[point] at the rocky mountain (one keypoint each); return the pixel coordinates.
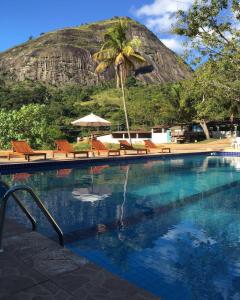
(64, 56)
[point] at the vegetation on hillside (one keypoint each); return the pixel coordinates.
(148, 105)
(212, 94)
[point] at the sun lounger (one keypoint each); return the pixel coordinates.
(99, 147)
(151, 147)
(63, 146)
(6, 154)
(21, 148)
(124, 145)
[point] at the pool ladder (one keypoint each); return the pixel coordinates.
(12, 192)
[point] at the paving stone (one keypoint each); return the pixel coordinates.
(33, 244)
(28, 244)
(44, 291)
(11, 229)
(51, 263)
(15, 276)
(35, 267)
(99, 284)
(117, 285)
(72, 281)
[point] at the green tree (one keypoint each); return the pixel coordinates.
(211, 30)
(203, 102)
(120, 52)
(29, 123)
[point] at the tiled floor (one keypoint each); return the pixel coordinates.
(34, 267)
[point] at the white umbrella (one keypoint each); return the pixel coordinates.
(91, 121)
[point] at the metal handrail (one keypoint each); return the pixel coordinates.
(22, 207)
(39, 203)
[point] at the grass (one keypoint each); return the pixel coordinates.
(82, 146)
(109, 22)
(112, 95)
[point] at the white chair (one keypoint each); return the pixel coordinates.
(236, 143)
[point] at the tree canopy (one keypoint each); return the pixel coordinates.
(211, 29)
(29, 123)
(212, 32)
(118, 50)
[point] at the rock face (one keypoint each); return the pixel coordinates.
(65, 56)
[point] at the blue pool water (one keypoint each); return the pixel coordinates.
(171, 226)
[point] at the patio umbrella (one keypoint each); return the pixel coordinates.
(91, 121)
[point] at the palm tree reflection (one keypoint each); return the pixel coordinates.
(120, 208)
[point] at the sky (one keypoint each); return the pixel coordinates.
(20, 19)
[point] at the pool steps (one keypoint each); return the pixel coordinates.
(11, 191)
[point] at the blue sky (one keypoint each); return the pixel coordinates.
(20, 19)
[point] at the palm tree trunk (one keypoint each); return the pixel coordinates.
(205, 129)
(124, 104)
(117, 78)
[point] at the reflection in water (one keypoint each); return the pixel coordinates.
(63, 172)
(121, 207)
(93, 193)
(20, 177)
(151, 222)
(192, 253)
(83, 194)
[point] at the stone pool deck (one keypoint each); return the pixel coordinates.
(35, 267)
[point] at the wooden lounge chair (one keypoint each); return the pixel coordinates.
(124, 145)
(21, 148)
(99, 147)
(151, 147)
(6, 154)
(63, 146)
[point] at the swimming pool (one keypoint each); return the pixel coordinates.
(170, 225)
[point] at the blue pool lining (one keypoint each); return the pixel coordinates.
(138, 218)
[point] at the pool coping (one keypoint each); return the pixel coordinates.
(79, 161)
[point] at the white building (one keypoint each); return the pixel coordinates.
(158, 135)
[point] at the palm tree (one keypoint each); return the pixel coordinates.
(121, 53)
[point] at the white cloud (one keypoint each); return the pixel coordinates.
(161, 7)
(174, 44)
(159, 16)
(161, 24)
